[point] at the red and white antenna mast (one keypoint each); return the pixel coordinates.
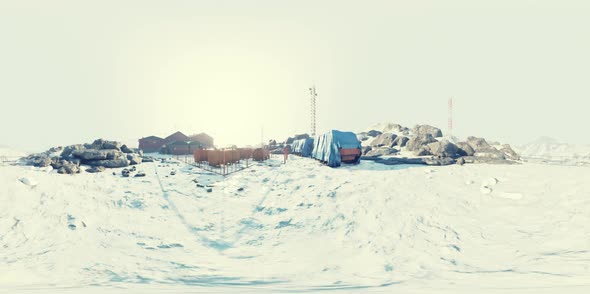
(313, 95)
(450, 126)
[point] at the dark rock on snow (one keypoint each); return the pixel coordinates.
(443, 148)
(384, 140)
(69, 168)
(365, 149)
(134, 159)
(126, 149)
(109, 163)
(374, 133)
(427, 129)
(95, 169)
(380, 151)
(400, 141)
(464, 149)
(418, 141)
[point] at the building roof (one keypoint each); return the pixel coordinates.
(178, 136)
(151, 138)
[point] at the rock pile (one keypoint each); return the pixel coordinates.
(99, 155)
(427, 142)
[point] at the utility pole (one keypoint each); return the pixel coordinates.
(313, 96)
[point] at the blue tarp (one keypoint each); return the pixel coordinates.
(327, 146)
(302, 147)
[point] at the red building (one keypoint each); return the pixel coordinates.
(176, 144)
(178, 136)
(151, 144)
(204, 139)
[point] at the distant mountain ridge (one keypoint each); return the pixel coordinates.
(547, 149)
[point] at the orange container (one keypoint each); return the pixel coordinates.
(260, 154)
(200, 155)
(245, 153)
(350, 155)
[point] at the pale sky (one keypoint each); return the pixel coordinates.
(73, 71)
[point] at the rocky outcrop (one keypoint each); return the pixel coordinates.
(478, 143)
(464, 149)
(415, 143)
(69, 168)
(41, 161)
(109, 163)
(427, 129)
(443, 148)
(374, 133)
(400, 141)
(423, 151)
(365, 149)
(99, 154)
(384, 140)
(509, 153)
(95, 169)
(134, 159)
(380, 151)
(362, 136)
(126, 149)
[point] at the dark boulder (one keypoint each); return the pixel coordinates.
(67, 152)
(373, 133)
(90, 154)
(384, 140)
(110, 163)
(423, 151)
(108, 145)
(126, 149)
(443, 148)
(427, 129)
(365, 149)
(147, 159)
(439, 161)
(416, 142)
(400, 141)
(380, 151)
(478, 143)
(41, 161)
(95, 169)
(509, 152)
(464, 149)
(69, 168)
(134, 158)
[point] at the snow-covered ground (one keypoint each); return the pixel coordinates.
(298, 227)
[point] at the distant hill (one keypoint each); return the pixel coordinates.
(550, 150)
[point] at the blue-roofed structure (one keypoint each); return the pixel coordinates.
(302, 147)
(335, 147)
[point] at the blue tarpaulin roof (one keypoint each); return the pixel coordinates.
(303, 147)
(327, 146)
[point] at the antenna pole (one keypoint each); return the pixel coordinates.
(313, 96)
